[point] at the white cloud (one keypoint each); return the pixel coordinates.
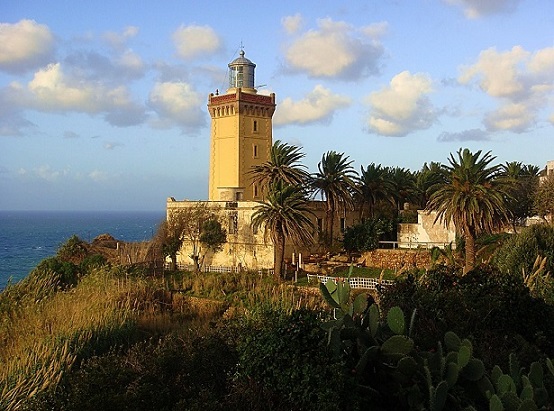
(466, 135)
(119, 40)
(51, 90)
(498, 72)
(192, 41)
(25, 45)
(44, 172)
(376, 30)
(403, 106)
(474, 9)
(514, 117)
(292, 24)
(318, 106)
(130, 62)
(177, 104)
(335, 49)
(521, 81)
(98, 176)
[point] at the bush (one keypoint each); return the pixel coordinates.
(493, 309)
(160, 374)
(285, 363)
(366, 236)
(520, 251)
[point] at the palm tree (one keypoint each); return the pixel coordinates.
(285, 215)
(472, 197)
(374, 186)
(404, 186)
(283, 166)
(523, 180)
(427, 180)
(335, 180)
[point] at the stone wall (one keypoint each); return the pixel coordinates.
(400, 260)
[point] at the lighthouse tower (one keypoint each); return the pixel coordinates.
(241, 134)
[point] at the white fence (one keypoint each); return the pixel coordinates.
(355, 282)
(218, 268)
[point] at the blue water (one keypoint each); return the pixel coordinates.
(27, 237)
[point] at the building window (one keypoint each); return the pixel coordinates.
(233, 222)
(255, 151)
(255, 126)
(255, 189)
(342, 224)
(238, 196)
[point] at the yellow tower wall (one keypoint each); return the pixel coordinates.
(241, 137)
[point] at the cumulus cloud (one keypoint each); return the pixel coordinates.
(292, 24)
(93, 66)
(474, 9)
(403, 106)
(25, 45)
(119, 41)
(376, 30)
(177, 103)
(514, 117)
(335, 49)
(318, 106)
(474, 134)
(52, 90)
(192, 41)
(498, 72)
(521, 81)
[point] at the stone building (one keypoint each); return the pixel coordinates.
(240, 138)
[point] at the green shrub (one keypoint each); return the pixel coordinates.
(92, 261)
(285, 360)
(495, 309)
(169, 373)
(519, 252)
(366, 236)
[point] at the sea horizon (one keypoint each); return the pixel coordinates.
(29, 236)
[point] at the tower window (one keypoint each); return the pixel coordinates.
(255, 127)
(255, 190)
(255, 151)
(342, 225)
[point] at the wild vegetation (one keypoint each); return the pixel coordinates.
(83, 332)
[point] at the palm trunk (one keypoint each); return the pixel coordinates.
(278, 254)
(329, 220)
(469, 249)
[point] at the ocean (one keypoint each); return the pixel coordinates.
(27, 237)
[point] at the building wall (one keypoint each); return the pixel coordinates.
(249, 249)
(426, 232)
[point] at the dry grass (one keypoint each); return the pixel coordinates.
(44, 333)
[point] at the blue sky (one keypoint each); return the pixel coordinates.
(103, 104)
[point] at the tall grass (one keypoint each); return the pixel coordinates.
(44, 333)
(45, 329)
(250, 291)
